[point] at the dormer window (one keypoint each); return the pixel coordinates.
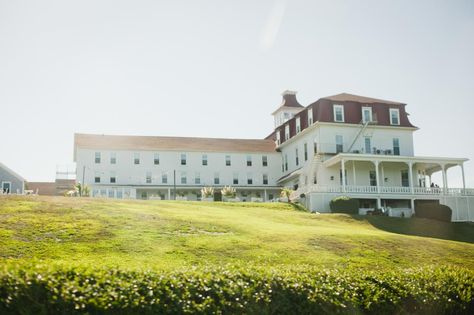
(298, 125)
(394, 116)
(278, 137)
(338, 113)
(366, 114)
(287, 132)
(310, 117)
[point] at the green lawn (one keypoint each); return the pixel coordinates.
(168, 235)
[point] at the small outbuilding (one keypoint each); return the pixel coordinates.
(10, 182)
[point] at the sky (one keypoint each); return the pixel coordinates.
(217, 68)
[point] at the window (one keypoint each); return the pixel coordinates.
(197, 178)
(97, 177)
(366, 114)
(148, 177)
(216, 179)
(310, 117)
(394, 116)
(278, 137)
(372, 178)
(235, 180)
(297, 160)
(338, 113)
(305, 146)
(204, 159)
(136, 158)
(97, 158)
(227, 160)
(164, 178)
(113, 178)
(111, 193)
(298, 125)
(249, 160)
(286, 162)
(264, 160)
(265, 179)
(315, 144)
(396, 146)
(367, 145)
(113, 158)
(405, 180)
(339, 144)
(287, 132)
(144, 195)
(184, 179)
(249, 179)
(183, 158)
(156, 159)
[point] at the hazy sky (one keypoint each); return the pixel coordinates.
(217, 68)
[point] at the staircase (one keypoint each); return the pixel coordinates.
(308, 170)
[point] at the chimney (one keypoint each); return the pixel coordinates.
(289, 99)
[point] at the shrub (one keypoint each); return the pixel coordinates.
(226, 290)
(228, 192)
(207, 192)
(344, 204)
(434, 211)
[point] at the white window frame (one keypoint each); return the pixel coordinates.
(156, 157)
(164, 178)
(136, 157)
(113, 175)
(287, 132)
(365, 145)
(395, 110)
(197, 178)
(148, 177)
(298, 124)
(335, 107)
(310, 117)
(97, 158)
(113, 158)
(278, 137)
(342, 143)
(183, 178)
(228, 160)
(364, 109)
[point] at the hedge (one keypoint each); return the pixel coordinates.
(344, 204)
(434, 211)
(230, 290)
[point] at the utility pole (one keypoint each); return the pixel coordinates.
(174, 183)
(83, 175)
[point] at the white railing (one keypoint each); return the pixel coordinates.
(385, 190)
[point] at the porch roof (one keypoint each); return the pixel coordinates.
(432, 164)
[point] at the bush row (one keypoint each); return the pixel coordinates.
(434, 211)
(233, 290)
(344, 204)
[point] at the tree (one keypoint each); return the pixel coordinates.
(286, 193)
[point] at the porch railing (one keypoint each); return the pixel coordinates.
(385, 190)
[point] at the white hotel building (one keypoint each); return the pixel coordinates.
(339, 145)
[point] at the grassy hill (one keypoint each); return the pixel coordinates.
(164, 235)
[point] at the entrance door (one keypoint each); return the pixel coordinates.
(6, 187)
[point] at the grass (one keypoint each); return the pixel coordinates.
(168, 235)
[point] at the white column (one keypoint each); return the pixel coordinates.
(383, 175)
(354, 173)
(410, 176)
(445, 179)
(463, 179)
(169, 193)
(377, 182)
(265, 195)
(343, 171)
